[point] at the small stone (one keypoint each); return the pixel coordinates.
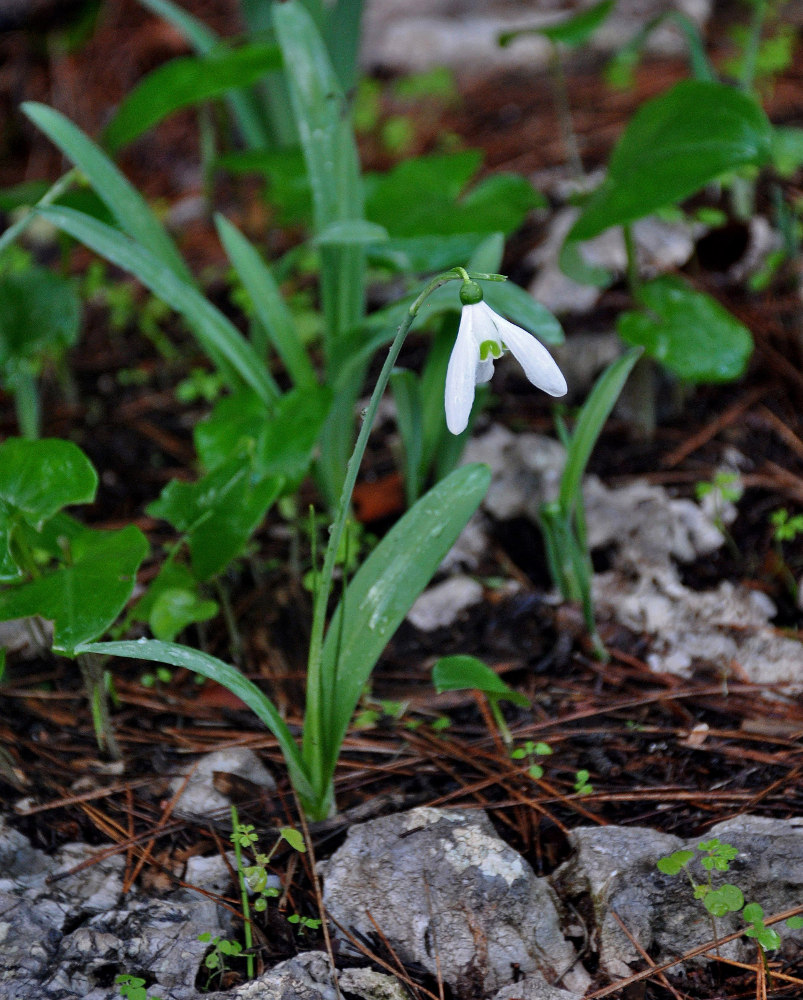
(370, 985)
(441, 606)
(200, 798)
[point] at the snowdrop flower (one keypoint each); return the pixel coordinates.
(482, 337)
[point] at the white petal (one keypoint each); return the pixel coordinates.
(461, 373)
(538, 364)
(485, 370)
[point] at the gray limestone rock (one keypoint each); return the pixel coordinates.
(450, 895)
(200, 799)
(440, 606)
(615, 868)
(535, 987)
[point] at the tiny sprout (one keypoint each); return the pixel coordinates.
(673, 863)
(718, 855)
(529, 751)
(133, 988)
(304, 923)
(767, 937)
(581, 783)
(786, 528)
(294, 838)
(244, 835)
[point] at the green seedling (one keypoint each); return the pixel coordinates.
(216, 961)
(253, 879)
(725, 489)
(785, 529)
(133, 988)
(529, 751)
(581, 783)
(562, 520)
(716, 856)
(459, 673)
(162, 675)
(304, 923)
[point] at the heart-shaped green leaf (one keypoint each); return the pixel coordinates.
(688, 332)
(675, 144)
(83, 598)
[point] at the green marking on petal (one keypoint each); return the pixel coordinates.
(490, 349)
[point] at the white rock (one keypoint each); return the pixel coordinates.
(200, 798)
(441, 606)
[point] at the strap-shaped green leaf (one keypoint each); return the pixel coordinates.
(383, 591)
(186, 81)
(216, 334)
(269, 306)
(330, 152)
(176, 655)
(122, 199)
(589, 426)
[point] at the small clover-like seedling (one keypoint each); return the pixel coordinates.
(244, 835)
(727, 898)
(222, 948)
(785, 528)
(768, 938)
(582, 786)
(133, 987)
(304, 923)
(672, 864)
(530, 751)
(718, 856)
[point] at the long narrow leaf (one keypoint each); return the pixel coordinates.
(187, 81)
(216, 334)
(593, 415)
(383, 591)
(330, 152)
(269, 306)
(122, 199)
(176, 655)
(204, 40)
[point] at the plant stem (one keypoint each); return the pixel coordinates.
(321, 690)
(748, 73)
(633, 276)
(561, 95)
(249, 958)
(93, 672)
(52, 193)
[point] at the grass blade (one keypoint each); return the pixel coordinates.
(269, 306)
(187, 81)
(593, 415)
(216, 334)
(176, 655)
(122, 199)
